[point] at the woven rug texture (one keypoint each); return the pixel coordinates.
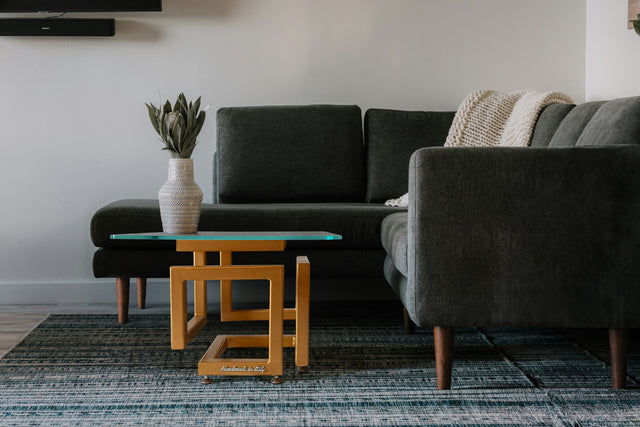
(364, 370)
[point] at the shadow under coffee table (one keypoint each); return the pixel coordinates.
(183, 330)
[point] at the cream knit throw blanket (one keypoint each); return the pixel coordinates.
(487, 118)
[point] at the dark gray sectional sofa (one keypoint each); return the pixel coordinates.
(286, 168)
(541, 236)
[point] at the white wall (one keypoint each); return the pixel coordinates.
(613, 63)
(75, 134)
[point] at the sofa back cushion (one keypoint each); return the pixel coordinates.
(615, 122)
(573, 124)
(311, 153)
(548, 123)
(591, 123)
(391, 136)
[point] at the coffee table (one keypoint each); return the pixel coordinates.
(183, 330)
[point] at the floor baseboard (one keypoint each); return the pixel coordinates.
(103, 291)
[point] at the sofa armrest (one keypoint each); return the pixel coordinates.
(524, 236)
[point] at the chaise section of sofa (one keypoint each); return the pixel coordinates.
(358, 254)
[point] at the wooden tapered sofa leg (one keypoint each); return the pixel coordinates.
(142, 292)
(618, 344)
(409, 326)
(122, 290)
(443, 342)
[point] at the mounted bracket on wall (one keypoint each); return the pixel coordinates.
(57, 27)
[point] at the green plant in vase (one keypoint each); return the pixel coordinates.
(180, 198)
(178, 126)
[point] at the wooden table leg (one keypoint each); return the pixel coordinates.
(178, 307)
(226, 290)
(302, 313)
(212, 362)
(182, 329)
(200, 286)
(276, 324)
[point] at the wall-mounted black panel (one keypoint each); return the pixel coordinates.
(79, 5)
(57, 27)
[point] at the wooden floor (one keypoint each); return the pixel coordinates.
(14, 327)
(16, 321)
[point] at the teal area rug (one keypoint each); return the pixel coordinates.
(89, 370)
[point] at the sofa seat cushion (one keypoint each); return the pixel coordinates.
(395, 240)
(358, 223)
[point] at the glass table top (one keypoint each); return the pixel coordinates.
(233, 235)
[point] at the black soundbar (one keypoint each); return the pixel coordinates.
(57, 27)
(10, 6)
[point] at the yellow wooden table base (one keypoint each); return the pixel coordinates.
(183, 330)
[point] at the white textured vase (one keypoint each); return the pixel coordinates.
(180, 199)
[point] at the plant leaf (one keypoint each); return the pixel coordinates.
(174, 145)
(153, 117)
(165, 127)
(196, 105)
(177, 136)
(199, 123)
(188, 151)
(184, 108)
